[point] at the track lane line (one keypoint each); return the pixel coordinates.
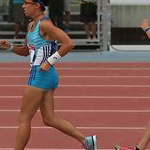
(85, 128)
(80, 68)
(80, 97)
(51, 149)
(87, 86)
(81, 76)
(88, 111)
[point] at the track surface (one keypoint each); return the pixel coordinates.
(110, 100)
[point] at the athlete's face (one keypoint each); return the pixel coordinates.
(28, 7)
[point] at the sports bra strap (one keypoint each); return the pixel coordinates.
(44, 18)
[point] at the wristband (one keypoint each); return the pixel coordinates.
(147, 29)
(54, 58)
(11, 48)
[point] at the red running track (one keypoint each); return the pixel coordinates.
(108, 99)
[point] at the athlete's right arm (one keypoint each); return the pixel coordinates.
(19, 50)
(24, 50)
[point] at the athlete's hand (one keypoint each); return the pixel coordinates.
(5, 45)
(45, 66)
(144, 24)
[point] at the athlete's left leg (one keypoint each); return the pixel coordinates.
(51, 119)
(30, 103)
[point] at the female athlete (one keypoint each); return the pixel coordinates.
(41, 46)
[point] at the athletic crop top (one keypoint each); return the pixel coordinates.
(39, 48)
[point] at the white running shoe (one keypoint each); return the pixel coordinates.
(91, 143)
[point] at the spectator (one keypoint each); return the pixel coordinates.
(18, 16)
(10, 17)
(56, 9)
(67, 14)
(89, 16)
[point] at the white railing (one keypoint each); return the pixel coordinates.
(78, 42)
(130, 2)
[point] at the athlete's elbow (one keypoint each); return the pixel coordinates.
(71, 44)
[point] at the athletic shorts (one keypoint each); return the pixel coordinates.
(46, 80)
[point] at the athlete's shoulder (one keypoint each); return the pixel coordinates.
(46, 23)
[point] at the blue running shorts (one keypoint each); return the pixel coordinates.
(46, 80)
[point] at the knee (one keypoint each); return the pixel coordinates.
(49, 121)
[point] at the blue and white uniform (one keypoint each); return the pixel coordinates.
(41, 49)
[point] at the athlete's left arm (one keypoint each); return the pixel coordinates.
(54, 33)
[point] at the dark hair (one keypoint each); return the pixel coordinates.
(46, 2)
(42, 3)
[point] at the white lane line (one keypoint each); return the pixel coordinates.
(84, 97)
(17, 76)
(52, 149)
(105, 68)
(86, 128)
(88, 111)
(82, 76)
(81, 68)
(47, 149)
(87, 86)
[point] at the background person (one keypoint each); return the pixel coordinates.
(88, 15)
(56, 9)
(145, 140)
(67, 16)
(18, 16)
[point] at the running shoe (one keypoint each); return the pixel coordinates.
(91, 143)
(123, 148)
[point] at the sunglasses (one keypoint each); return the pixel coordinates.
(32, 3)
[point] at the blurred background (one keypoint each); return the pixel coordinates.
(117, 22)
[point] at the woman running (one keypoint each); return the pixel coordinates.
(41, 46)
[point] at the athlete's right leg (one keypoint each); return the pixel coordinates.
(51, 119)
(30, 103)
(143, 142)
